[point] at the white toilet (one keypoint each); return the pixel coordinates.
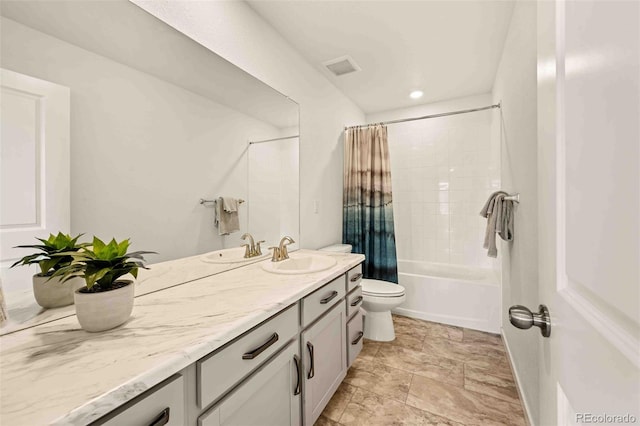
(379, 297)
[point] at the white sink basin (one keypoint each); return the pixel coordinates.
(300, 264)
(231, 255)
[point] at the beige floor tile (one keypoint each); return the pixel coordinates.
(461, 405)
(380, 379)
(339, 401)
(325, 421)
(474, 336)
(424, 364)
(476, 354)
(369, 409)
(406, 341)
(369, 349)
(481, 381)
(443, 331)
(409, 327)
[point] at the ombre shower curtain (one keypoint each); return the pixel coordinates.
(367, 221)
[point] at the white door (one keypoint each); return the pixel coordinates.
(34, 169)
(588, 180)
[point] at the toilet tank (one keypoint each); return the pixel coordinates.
(338, 248)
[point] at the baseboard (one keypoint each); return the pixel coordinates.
(525, 406)
(472, 323)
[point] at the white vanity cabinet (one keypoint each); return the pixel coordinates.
(270, 397)
(163, 405)
(324, 360)
(282, 372)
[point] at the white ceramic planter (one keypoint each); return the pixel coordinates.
(52, 293)
(105, 310)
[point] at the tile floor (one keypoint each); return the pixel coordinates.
(432, 374)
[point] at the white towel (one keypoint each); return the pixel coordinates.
(226, 221)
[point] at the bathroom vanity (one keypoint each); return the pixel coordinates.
(244, 346)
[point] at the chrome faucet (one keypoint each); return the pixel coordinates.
(280, 252)
(252, 249)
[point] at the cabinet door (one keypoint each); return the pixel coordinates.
(355, 333)
(269, 397)
(324, 355)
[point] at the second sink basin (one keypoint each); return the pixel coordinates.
(231, 255)
(300, 264)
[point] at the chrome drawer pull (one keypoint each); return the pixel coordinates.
(357, 301)
(254, 353)
(296, 360)
(162, 419)
(311, 369)
(360, 334)
(329, 298)
(356, 277)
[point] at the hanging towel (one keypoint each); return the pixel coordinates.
(229, 204)
(499, 215)
(226, 221)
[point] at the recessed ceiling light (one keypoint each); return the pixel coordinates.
(416, 94)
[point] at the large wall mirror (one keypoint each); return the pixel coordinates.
(157, 123)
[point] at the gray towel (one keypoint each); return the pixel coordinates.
(499, 214)
(226, 221)
(229, 204)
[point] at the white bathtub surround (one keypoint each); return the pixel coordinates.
(104, 310)
(468, 297)
(168, 331)
(442, 171)
(52, 292)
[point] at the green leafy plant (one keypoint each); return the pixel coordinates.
(54, 253)
(101, 265)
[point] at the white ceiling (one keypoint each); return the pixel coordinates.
(448, 48)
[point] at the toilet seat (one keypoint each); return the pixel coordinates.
(379, 288)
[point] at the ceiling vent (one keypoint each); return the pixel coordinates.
(341, 66)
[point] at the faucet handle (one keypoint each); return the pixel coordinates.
(276, 254)
(258, 249)
(247, 251)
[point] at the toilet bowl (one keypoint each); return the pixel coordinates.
(379, 298)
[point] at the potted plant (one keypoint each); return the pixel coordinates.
(52, 292)
(106, 299)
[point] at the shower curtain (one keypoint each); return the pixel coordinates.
(367, 221)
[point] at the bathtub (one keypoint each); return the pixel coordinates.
(451, 294)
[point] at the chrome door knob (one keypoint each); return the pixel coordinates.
(521, 317)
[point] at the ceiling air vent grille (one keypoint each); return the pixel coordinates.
(341, 66)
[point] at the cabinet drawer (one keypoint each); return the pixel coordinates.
(354, 276)
(270, 396)
(355, 334)
(162, 405)
(354, 301)
(219, 371)
(321, 300)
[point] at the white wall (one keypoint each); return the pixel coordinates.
(143, 151)
(274, 191)
(516, 87)
(442, 171)
(235, 32)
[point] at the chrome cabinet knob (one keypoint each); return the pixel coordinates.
(521, 317)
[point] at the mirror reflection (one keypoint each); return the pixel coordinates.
(146, 123)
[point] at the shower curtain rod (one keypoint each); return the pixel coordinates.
(274, 139)
(444, 114)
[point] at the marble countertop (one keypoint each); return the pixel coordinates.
(24, 312)
(56, 373)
